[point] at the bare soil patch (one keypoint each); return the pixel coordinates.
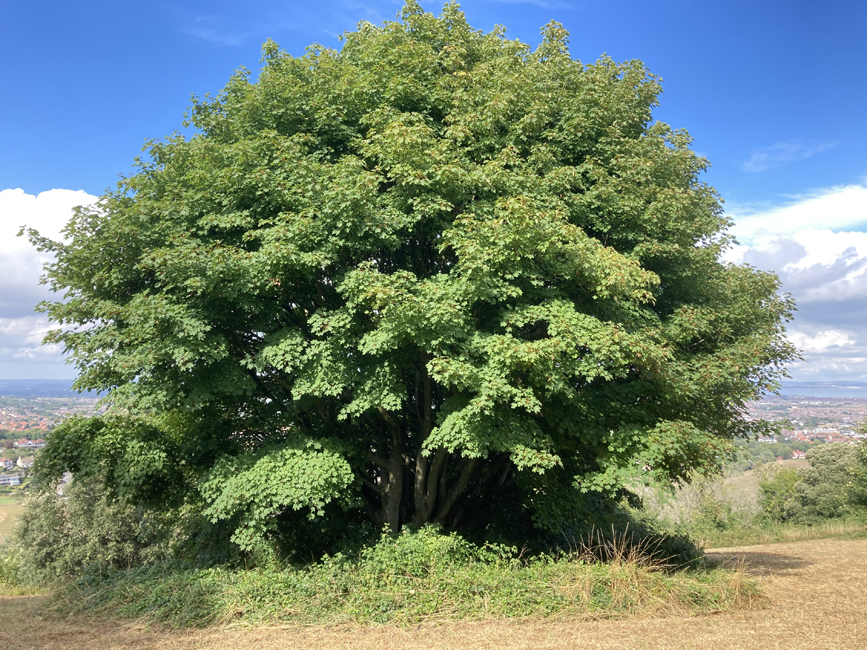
(815, 600)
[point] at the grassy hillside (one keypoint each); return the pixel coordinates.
(9, 511)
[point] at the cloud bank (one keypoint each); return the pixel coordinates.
(817, 244)
(21, 331)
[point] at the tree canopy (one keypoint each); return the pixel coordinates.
(435, 276)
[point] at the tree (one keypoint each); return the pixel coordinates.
(435, 276)
(829, 488)
(859, 471)
(777, 490)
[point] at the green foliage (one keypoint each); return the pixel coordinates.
(752, 454)
(826, 489)
(777, 490)
(859, 477)
(770, 504)
(412, 577)
(466, 271)
(9, 567)
(57, 538)
(254, 489)
(716, 514)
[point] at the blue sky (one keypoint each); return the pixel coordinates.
(774, 93)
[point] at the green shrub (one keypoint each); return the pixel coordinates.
(776, 493)
(858, 490)
(828, 489)
(57, 537)
(8, 566)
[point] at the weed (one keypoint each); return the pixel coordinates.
(416, 576)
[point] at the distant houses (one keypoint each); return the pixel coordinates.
(25, 462)
(30, 444)
(822, 434)
(6, 463)
(9, 480)
(797, 453)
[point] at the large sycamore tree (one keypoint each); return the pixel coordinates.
(402, 279)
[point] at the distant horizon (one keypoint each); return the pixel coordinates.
(818, 389)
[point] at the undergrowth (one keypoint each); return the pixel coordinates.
(417, 576)
(772, 533)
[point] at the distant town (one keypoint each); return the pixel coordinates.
(29, 415)
(26, 421)
(813, 419)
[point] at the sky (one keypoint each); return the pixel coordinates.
(774, 94)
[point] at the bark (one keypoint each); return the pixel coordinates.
(392, 488)
(426, 471)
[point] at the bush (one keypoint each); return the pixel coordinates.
(859, 478)
(776, 492)
(57, 537)
(8, 566)
(826, 488)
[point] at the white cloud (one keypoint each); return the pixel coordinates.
(21, 332)
(784, 152)
(47, 212)
(837, 208)
(813, 245)
(821, 341)
(23, 338)
(30, 328)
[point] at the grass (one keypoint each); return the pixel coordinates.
(6, 500)
(769, 533)
(829, 575)
(414, 578)
(8, 516)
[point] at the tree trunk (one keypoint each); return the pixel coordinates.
(392, 488)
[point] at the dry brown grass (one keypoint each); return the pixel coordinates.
(815, 595)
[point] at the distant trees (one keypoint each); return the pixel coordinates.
(751, 454)
(777, 492)
(435, 276)
(831, 487)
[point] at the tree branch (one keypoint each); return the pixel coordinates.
(377, 460)
(457, 490)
